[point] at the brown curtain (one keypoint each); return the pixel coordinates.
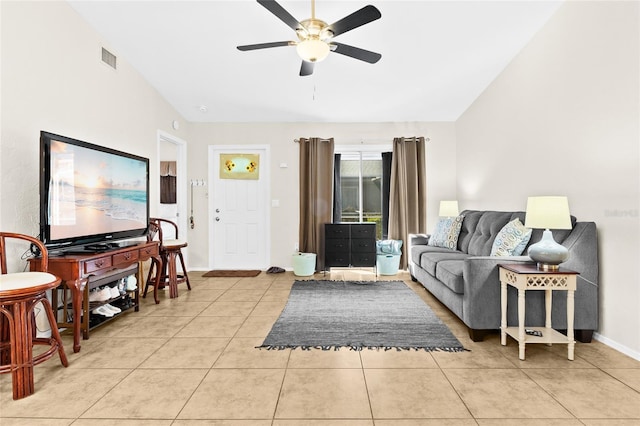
(316, 191)
(168, 187)
(408, 195)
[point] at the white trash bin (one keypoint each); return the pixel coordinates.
(304, 264)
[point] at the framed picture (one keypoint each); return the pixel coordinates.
(240, 166)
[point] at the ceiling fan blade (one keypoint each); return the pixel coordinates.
(306, 68)
(275, 8)
(357, 53)
(356, 19)
(265, 45)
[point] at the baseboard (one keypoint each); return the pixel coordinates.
(617, 346)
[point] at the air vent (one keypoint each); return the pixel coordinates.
(109, 58)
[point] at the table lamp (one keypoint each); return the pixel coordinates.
(448, 209)
(548, 213)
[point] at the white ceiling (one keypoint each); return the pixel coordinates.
(437, 56)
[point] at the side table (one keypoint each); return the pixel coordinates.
(525, 277)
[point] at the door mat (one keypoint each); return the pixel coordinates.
(355, 314)
(232, 273)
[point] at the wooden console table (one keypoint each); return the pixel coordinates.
(76, 270)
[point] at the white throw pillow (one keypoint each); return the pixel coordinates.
(446, 233)
(511, 240)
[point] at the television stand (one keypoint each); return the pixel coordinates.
(79, 271)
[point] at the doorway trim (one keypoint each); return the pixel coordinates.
(181, 180)
(265, 173)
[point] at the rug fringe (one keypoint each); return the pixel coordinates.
(360, 348)
(351, 281)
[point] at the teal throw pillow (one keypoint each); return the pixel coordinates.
(446, 233)
(511, 240)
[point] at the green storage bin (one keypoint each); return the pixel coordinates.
(304, 264)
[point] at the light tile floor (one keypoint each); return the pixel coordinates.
(193, 361)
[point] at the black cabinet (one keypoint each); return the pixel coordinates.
(350, 244)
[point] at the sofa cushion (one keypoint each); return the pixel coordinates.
(417, 251)
(449, 272)
(429, 261)
(489, 225)
(469, 224)
(446, 233)
(511, 240)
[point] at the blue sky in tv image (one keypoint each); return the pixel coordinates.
(77, 166)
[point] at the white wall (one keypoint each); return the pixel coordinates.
(284, 181)
(53, 79)
(563, 119)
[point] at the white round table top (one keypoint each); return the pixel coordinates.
(24, 280)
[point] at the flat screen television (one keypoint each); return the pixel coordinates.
(90, 196)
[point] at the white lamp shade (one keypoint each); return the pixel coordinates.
(312, 50)
(548, 213)
(448, 209)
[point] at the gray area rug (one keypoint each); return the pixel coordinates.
(358, 314)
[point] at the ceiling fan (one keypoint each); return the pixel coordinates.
(315, 37)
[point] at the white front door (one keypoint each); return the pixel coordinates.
(239, 236)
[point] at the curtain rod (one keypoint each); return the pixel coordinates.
(321, 140)
(380, 140)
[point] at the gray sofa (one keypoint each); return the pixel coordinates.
(466, 280)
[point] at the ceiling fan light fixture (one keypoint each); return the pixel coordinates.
(315, 36)
(312, 50)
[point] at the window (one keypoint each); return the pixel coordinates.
(360, 192)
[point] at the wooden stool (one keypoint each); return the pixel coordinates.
(19, 294)
(170, 252)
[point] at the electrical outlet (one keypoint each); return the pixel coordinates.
(296, 247)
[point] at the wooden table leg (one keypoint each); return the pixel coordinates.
(503, 310)
(570, 313)
(548, 303)
(521, 316)
(77, 290)
(173, 274)
(158, 262)
(22, 355)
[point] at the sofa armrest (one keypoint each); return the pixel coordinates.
(482, 289)
(481, 298)
(418, 239)
(582, 244)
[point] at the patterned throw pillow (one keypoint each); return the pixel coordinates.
(511, 240)
(446, 232)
